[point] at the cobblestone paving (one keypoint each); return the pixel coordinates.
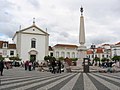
(19, 79)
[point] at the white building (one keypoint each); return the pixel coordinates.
(115, 49)
(31, 43)
(7, 50)
(103, 51)
(65, 50)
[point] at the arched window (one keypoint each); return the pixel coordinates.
(62, 54)
(68, 54)
(33, 43)
(57, 54)
(73, 55)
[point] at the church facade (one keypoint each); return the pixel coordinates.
(31, 43)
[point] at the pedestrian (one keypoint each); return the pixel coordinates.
(34, 65)
(1, 67)
(26, 65)
(7, 65)
(30, 65)
(53, 64)
(59, 66)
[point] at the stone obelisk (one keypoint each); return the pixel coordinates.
(82, 48)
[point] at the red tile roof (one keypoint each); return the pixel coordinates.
(106, 45)
(66, 45)
(12, 46)
(89, 52)
(1, 43)
(99, 50)
(118, 43)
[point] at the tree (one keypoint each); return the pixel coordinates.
(46, 58)
(14, 58)
(116, 58)
(1, 58)
(74, 59)
(96, 59)
(61, 58)
(103, 59)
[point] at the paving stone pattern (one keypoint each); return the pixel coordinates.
(19, 79)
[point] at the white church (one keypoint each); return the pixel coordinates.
(31, 43)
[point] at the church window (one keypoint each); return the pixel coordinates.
(33, 43)
(33, 29)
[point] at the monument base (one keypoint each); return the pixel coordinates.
(79, 62)
(81, 54)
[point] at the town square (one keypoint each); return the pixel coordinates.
(19, 79)
(59, 45)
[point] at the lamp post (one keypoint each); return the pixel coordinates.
(93, 47)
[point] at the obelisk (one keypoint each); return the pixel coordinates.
(82, 48)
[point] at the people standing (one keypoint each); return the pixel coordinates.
(1, 67)
(53, 64)
(30, 65)
(26, 65)
(59, 66)
(34, 65)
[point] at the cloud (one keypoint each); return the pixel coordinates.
(35, 3)
(62, 19)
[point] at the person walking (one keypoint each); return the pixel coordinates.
(1, 67)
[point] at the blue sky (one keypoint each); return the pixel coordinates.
(61, 18)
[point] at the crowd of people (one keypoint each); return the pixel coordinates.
(107, 64)
(55, 66)
(29, 65)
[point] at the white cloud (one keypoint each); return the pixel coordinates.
(61, 18)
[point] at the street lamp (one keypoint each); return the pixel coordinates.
(93, 47)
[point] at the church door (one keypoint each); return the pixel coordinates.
(32, 58)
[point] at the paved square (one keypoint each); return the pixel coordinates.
(19, 79)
